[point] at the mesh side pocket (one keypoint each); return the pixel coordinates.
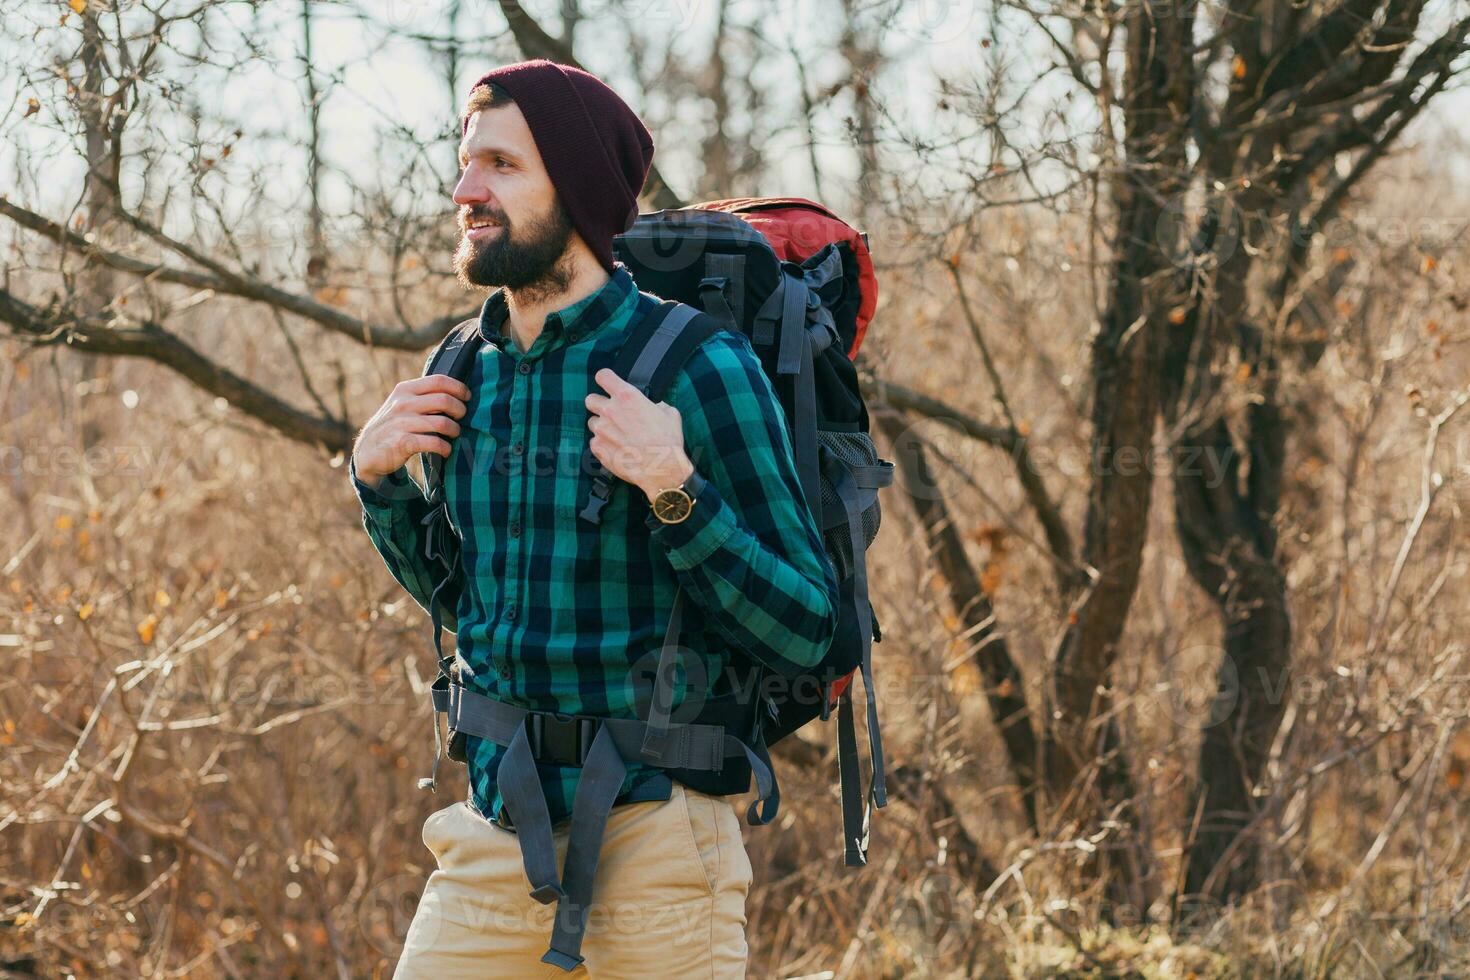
(854, 449)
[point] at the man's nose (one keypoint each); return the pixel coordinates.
(470, 189)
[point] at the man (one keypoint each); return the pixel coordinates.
(557, 614)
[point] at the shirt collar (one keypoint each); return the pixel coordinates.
(572, 323)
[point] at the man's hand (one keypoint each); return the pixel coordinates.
(405, 424)
(640, 441)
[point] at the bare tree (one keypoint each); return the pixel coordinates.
(1243, 131)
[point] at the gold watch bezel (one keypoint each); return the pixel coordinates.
(660, 503)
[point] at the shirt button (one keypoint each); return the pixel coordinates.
(510, 614)
(518, 448)
(575, 337)
(515, 529)
(505, 672)
(524, 367)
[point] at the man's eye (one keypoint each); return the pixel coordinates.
(502, 163)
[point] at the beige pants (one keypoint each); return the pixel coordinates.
(669, 897)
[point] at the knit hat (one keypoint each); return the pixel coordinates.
(596, 149)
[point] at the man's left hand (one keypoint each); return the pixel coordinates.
(640, 441)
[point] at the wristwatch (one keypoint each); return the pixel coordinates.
(672, 505)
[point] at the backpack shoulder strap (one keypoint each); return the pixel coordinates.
(658, 347)
(650, 359)
(455, 356)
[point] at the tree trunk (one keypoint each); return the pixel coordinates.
(1005, 689)
(1126, 357)
(1225, 509)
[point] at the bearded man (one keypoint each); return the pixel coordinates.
(554, 616)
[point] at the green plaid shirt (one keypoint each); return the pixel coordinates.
(558, 614)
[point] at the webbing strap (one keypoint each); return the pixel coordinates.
(868, 480)
(656, 739)
(793, 324)
(520, 788)
(699, 747)
(714, 299)
(873, 477)
(795, 351)
(763, 331)
(804, 427)
(437, 533)
(722, 290)
(854, 805)
(658, 345)
(649, 359)
(601, 780)
(767, 802)
(847, 492)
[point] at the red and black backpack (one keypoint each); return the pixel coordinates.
(799, 283)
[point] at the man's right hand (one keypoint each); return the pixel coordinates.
(412, 420)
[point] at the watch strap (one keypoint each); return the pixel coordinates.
(693, 486)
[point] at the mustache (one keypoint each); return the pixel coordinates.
(479, 214)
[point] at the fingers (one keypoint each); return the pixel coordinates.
(412, 442)
(613, 384)
(431, 383)
(434, 423)
(433, 403)
(597, 404)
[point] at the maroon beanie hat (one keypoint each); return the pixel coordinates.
(596, 149)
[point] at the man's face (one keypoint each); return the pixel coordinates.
(513, 228)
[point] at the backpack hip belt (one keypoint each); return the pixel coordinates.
(600, 747)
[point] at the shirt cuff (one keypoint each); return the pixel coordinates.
(390, 495)
(696, 537)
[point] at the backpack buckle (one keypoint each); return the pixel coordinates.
(597, 499)
(560, 740)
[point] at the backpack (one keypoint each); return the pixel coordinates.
(799, 283)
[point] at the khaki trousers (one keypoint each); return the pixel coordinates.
(668, 899)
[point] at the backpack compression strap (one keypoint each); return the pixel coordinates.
(850, 483)
(793, 320)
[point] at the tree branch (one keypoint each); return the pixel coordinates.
(93, 335)
(233, 283)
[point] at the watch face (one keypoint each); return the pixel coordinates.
(671, 506)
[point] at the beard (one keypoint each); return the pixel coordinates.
(526, 258)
